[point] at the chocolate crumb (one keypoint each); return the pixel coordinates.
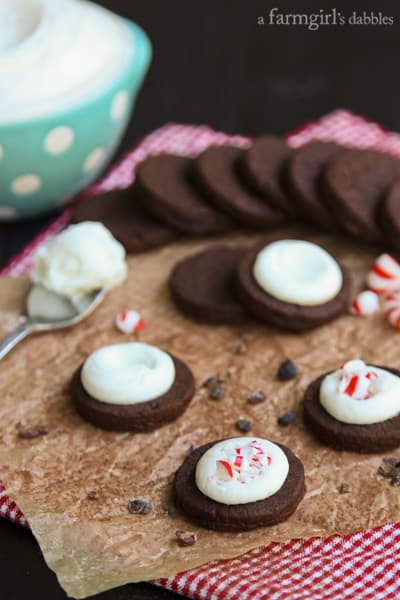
(395, 480)
(285, 419)
(191, 449)
(138, 506)
(92, 495)
(217, 392)
(240, 348)
(211, 382)
(256, 397)
(344, 488)
(31, 433)
(243, 425)
(287, 370)
(389, 467)
(185, 538)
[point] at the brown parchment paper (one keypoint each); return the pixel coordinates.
(93, 545)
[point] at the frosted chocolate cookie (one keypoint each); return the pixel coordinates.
(239, 484)
(262, 166)
(390, 216)
(123, 214)
(216, 174)
(355, 408)
(303, 179)
(163, 184)
(203, 286)
(131, 387)
(293, 285)
(354, 183)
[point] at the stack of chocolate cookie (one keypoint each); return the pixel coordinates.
(349, 191)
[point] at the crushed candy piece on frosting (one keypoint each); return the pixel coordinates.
(357, 380)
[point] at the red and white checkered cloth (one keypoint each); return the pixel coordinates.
(364, 566)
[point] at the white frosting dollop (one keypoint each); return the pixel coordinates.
(298, 272)
(241, 470)
(81, 259)
(53, 53)
(360, 394)
(128, 373)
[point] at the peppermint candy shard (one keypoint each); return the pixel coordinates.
(366, 303)
(129, 321)
(384, 276)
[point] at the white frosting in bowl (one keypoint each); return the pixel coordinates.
(128, 373)
(79, 260)
(298, 272)
(360, 394)
(241, 470)
(54, 53)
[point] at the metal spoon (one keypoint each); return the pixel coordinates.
(46, 311)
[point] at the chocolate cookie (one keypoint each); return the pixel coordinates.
(238, 517)
(123, 214)
(377, 437)
(303, 179)
(262, 166)
(354, 183)
(390, 216)
(216, 173)
(164, 185)
(292, 317)
(202, 286)
(139, 417)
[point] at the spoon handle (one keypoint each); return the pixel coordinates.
(11, 340)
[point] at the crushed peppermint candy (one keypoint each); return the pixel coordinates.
(242, 463)
(391, 307)
(129, 321)
(366, 303)
(357, 380)
(384, 276)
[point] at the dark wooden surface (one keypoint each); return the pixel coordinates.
(213, 64)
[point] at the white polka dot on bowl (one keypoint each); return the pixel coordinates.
(7, 212)
(26, 184)
(1, 152)
(94, 159)
(119, 105)
(59, 139)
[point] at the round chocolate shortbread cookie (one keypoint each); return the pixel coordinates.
(165, 187)
(237, 517)
(303, 179)
(123, 215)
(262, 166)
(377, 437)
(354, 183)
(216, 173)
(139, 417)
(284, 315)
(390, 216)
(203, 286)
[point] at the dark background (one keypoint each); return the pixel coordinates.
(214, 64)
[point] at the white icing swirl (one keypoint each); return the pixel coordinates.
(53, 53)
(241, 470)
(360, 394)
(128, 373)
(298, 272)
(81, 259)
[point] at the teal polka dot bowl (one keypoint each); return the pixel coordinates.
(47, 160)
